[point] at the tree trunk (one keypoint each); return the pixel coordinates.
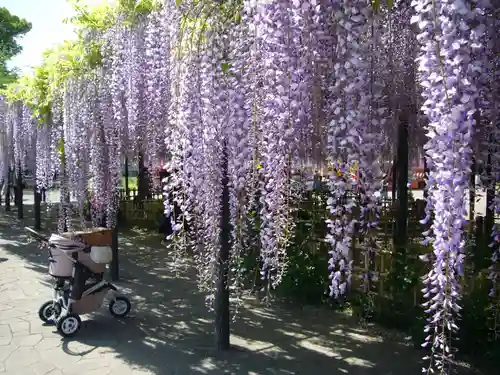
(16, 189)
(142, 180)
(401, 220)
(394, 173)
(490, 196)
(19, 183)
(38, 208)
(64, 197)
(7, 192)
(426, 175)
(222, 316)
(115, 265)
(402, 178)
(489, 220)
(472, 199)
(127, 190)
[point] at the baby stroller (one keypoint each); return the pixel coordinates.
(79, 285)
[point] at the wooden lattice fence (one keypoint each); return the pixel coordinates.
(477, 260)
(148, 214)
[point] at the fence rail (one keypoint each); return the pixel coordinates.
(477, 260)
(134, 193)
(148, 213)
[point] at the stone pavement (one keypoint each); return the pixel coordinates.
(169, 331)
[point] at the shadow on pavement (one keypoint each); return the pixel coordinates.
(170, 330)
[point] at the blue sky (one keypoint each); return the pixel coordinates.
(48, 27)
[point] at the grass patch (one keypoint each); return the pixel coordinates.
(132, 183)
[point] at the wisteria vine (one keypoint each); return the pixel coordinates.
(274, 86)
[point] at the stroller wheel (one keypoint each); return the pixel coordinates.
(48, 310)
(119, 307)
(69, 325)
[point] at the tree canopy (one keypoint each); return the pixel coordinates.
(72, 58)
(11, 27)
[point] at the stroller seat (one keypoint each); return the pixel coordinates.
(80, 286)
(72, 261)
(65, 253)
(84, 279)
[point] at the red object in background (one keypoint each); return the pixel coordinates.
(418, 180)
(416, 177)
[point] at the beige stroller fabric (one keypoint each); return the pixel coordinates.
(89, 303)
(91, 237)
(62, 254)
(63, 260)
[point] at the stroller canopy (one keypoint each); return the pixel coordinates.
(65, 244)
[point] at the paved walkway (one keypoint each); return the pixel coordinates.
(170, 330)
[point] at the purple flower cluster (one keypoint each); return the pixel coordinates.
(449, 87)
(350, 114)
(288, 84)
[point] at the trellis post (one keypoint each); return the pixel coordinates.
(222, 316)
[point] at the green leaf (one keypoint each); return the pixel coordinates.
(60, 147)
(225, 67)
(390, 4)
(376, 5)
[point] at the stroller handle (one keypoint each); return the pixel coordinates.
(38, 236)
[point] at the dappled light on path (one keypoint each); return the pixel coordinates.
(170, 330)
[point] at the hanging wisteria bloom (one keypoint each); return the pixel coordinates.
(448, 79)
(490, 105)
(350, 112)
(273, 25)
(3, 139)
(240, 147)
